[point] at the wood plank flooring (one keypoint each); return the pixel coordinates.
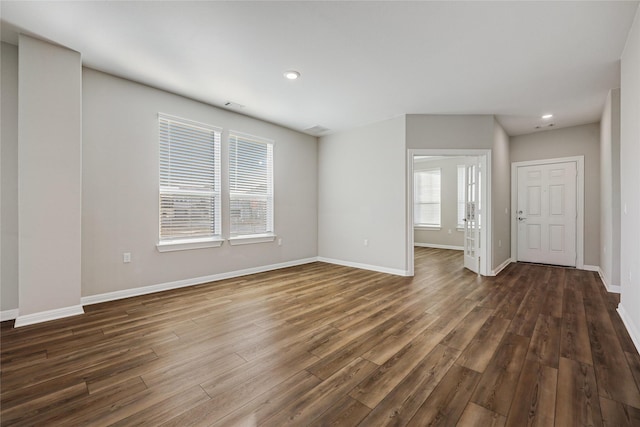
(324, 345)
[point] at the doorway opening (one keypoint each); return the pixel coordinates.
(465, 226)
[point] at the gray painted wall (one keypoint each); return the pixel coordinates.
(9, 179)
(49, 176)
(630, 180)
(573, 141)
(449, 131)
(501, 196)
(362, 195)
(610, 189)
(120, 189)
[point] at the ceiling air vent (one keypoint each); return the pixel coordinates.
(549, 125)
(316, 130)
(230, 104)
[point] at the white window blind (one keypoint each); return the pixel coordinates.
(461, 206)
(250, 185)
(426, 198)
(189, 180)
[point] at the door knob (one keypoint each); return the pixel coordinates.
(520, 218)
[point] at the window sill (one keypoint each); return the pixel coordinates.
(427, 227)
(250, 239)
(184, 245)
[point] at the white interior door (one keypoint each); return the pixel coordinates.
(473, 215)
(546, 213)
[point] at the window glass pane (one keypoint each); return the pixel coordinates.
(427, 197)
(189, 180)
(461, 210)
(250, 185)
(249, 216)
(185, 216)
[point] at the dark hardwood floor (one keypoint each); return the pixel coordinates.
(321, 344)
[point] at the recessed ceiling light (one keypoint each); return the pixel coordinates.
(547, 116)
(291, 74)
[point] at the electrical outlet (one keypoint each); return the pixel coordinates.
(279, 242)
(126, 257)
(499, 243)
(449, 231)
(366, 242)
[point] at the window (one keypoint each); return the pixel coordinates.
(461, 205)
(189, 184)
(250, 188)
(426, 198)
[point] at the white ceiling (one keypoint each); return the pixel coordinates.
(361, 62)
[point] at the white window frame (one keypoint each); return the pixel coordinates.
(438, 225)
(236, 238)
(174, 243)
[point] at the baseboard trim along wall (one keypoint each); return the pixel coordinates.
(609, 287)
(590, 267)
(45, 316)
(631, 328)
(127, 293)
(8, 314)
(501, 267)
(436, 246)
(379, 269)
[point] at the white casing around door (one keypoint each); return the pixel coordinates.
(546, 213)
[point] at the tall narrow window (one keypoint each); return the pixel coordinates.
(427, 198)
(189, 183)
(250, 186)
(461, 209)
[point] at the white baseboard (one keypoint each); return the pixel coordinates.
(127, 293)
(436, 246)
(8, 314)
(615, 289)
(501, 267)
(45, 316)
(590, 267)
(631, 328)
(379, 269)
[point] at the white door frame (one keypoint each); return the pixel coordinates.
(485, 231)
(579, 201)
